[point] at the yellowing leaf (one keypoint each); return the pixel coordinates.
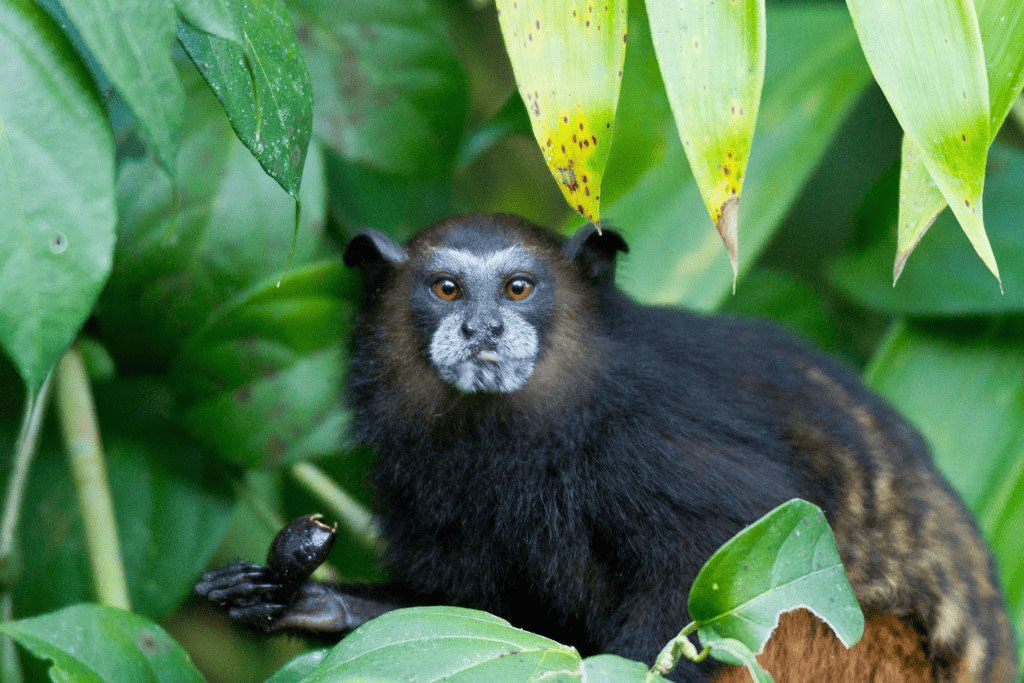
(567, 57)
(712, 60)
(1001, 23)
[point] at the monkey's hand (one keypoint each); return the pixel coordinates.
(266, 596)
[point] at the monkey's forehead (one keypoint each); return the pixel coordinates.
(501, 261)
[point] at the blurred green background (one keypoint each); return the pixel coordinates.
(211, 382)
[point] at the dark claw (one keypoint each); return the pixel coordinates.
(241, 590)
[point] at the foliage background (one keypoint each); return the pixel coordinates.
(211, 382)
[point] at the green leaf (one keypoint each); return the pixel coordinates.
(568, 61)
(132, 40)
(389, 89)
(785, 560)
(184, 250)
(734, 652)
(434, 643)
(944, 279)
(964, 389)
(712, 58)
(57, 210)
(275, 120)
(809, 88)
(612, 669)
(261, 380)
(928, 59)
(96, 643)
(299, 667)
(171, 505)
(1001, 24)
(216, 17)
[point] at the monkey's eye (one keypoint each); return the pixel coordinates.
(518, 289)
(447, 289)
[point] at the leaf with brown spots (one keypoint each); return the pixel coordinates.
(1001, 23)
(712, 58)
(567, 58)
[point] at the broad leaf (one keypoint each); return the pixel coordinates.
(1001, 24)
(434, 643)
(132, 41)
(89, 643)
(171, 508)
(299, 667)
(613, 669)
(261, 381)
(810, 86)
(712, 58)
(944, 279)
(216, 17)
(965, 391)
(275, 120)
(183, 250)
(568, 60)
(786, 559)
(927, 57)
(57, 210)
(389, 89)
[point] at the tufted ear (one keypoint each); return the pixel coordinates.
(595, 252)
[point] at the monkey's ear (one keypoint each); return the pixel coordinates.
(372, 249)
(595, 252)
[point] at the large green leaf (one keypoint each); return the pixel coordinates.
(92, 643)
(944, 278)
(568, 61)
(712, 58)
(216, 17)
(171, 508)
(183, 250)
(927, 56)
(979, 445)
(57, 210)
(388, 87)
(615, 669)
(275, 120)
(262, 379)
(450, 643)
(132, 39)
(810, 86)
(1001, 24)
(785, 560)
(299, 667)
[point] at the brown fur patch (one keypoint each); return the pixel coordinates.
(803, 648)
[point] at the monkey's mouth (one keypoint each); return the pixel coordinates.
(488, 371)
(488, 356)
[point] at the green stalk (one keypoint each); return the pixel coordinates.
(349, 511)
(24, 451)
(89, 471)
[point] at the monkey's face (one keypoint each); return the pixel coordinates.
(480, 307)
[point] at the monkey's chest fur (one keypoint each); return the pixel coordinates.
(588, 519)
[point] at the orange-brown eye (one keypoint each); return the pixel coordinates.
(447, 289)
(518, 289)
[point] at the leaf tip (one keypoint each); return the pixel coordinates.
(727, 226)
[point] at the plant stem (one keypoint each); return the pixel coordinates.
(24, 451)
(89, 471)
(680, 646)
(350, 512)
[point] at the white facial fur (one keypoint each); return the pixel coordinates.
(459, 361)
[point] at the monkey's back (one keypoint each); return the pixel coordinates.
(910, 548)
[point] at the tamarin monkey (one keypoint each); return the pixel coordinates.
(554, 453)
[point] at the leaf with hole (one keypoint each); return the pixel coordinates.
(568, 62)
(712, 58)
(57, 210)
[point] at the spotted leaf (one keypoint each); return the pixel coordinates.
(567, 57)
(712, 58)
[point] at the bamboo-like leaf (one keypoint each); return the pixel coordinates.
(1002, 33)
(567, 57)
(927, 57)
(712, 58)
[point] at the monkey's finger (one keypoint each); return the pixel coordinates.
(261, 614)
(229, 576)
(241, 590)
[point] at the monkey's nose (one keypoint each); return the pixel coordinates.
(470, 328)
